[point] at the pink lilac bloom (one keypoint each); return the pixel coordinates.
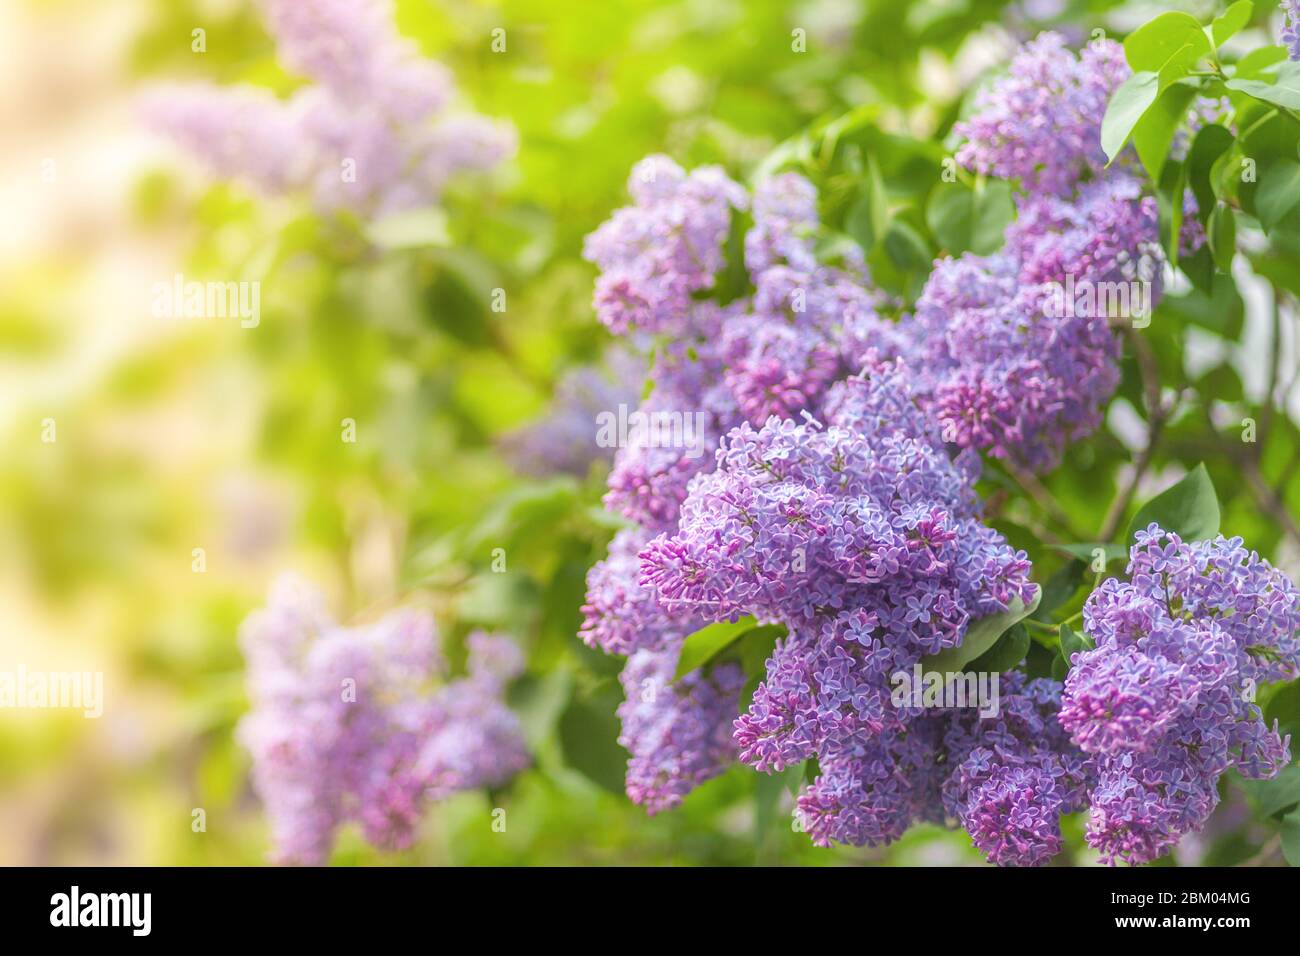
(372, 133)
(1164, 702)
(359, 724)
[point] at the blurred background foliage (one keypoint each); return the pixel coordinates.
(174, 435)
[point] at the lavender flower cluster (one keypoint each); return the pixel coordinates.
(1014, 350)
(351, 724)
(1291, 27)
(371, 133)
(1164, 703)
(775, 351)
(564, 441)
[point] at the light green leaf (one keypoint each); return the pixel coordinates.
(1278, 794)
(1285, 92)
(1087, 551)
(1257, 61)
(1278, 193)
(970, 220)
(980, 636)
(707, 642)
(1126, 108)
(1190, 508)
(1155, 130)
(1153, 44)
(1227, 24)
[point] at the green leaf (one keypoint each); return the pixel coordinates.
(1257, 61)
(980, 636)
(1087, 551)
(1126, 107)
(1227, 24)
(970, 220)
(1210, 143)
(1285, 92)
(1221, 231)
(1291, 838)
(906, 249)
(1278, 193)
(588, 733)
(1276, 795)
(1060, 587)
(1190, 508)
(1008, 651)
(410, 230)
(1156, 43)
(1072, 642)
(868, 218)
(707, 642)
(1154, 132)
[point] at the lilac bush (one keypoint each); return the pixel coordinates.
(359, 724)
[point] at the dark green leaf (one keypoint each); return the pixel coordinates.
(1190, 508)
(705, 643)
(1008, 651)
(980, 636)
(1278, 192)
(1072, 642)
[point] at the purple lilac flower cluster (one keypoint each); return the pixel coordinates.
(1291, 27)
(351, 724)
(1014, 350)
(372, 133)
(1012, 777)
(773, 352)
(566, 440)
(1164, 702)
(1006, 780)
(678, 734)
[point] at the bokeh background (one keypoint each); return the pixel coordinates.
(180, 434)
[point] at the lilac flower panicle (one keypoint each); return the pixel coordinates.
(1041, 123)
(372, 133)
(566, 441)
(678, 734)
(1163, 702)
(1291, 27)
(351, 724)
